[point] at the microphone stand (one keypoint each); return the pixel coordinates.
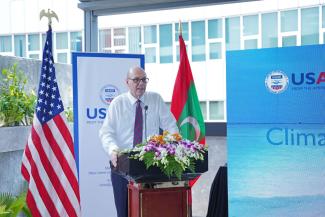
(145, 121)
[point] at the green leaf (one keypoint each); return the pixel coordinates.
(16, 105)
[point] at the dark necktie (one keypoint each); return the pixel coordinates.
(138, 124)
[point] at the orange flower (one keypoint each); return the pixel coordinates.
(177, 136)
(158, 139)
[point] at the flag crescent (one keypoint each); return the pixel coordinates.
(195, 124)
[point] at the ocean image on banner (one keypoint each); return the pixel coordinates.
(276, 170)
(276, 132)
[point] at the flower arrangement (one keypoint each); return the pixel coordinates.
(170, 152)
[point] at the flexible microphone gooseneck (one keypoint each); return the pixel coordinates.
(145, 121)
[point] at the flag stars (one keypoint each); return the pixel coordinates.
(50, 113)
(43, 84)
(48, 86)
(41, 92)
(53, 96)
(58, 106)
(52, 105)
(38, 109)
(49, 78)
(54, 88)
(46, 94)
(51, 69)
(43, 75)
(40, 100)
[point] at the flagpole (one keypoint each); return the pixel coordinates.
(180, 27)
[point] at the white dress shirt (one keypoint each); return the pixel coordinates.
(118, 127)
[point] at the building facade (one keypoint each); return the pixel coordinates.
(209, 32)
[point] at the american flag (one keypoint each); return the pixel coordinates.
(48, 162)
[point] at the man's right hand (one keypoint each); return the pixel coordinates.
(114, 155)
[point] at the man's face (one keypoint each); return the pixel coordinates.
(137, 82)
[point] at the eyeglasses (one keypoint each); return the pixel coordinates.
(137, 80)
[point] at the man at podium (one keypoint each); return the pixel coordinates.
(130, 119)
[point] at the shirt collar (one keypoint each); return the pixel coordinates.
(133, 100)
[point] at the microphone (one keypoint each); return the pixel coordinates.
(145, 121)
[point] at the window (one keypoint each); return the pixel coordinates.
(75, 41)
(184, 31)
(269, 30)
(43, 40)
(165, 43)
(215, 50)
(134, 39)
(150, 54)
(5, 44)
(289, 41)
(215, 28)
(309, 26)
(203, 106)
(216, 110)
(62, 40)
(150, 34)
(119, 37)
(250, 25)
(62, 58)
(289, 21)
(323, 17)
(198, 41)
(233, 33)
(150, 40)
(250, 34)
(20, 45)
(250, 44)
(215, 38)
(33, 42)
(105, 40)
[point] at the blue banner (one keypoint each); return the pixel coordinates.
(280, 85)
(276, 132)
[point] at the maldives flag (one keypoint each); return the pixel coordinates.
(185, 104)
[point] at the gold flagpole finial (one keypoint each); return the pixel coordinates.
(180, 27)
(49, 14)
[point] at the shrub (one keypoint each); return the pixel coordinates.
(16, 105)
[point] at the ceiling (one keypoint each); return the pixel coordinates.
(109, 7)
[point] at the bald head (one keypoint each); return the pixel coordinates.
(136, 81)
(135, 70)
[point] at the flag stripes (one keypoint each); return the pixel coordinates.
(48, 162)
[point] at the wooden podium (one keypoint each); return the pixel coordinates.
(155, 201)
(153, 194)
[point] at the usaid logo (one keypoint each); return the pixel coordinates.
(276, 82)
(108, 93)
